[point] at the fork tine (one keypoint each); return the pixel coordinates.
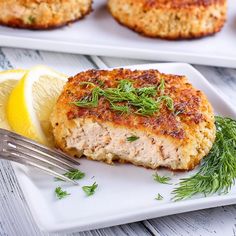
(43, 168)
(45, 156)
(59, 154)
(25, 154)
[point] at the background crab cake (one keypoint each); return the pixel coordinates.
(177, 139)
(38, 14)
(175, 19)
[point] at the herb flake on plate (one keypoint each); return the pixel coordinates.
(73, 174)
(60, 194)
(161, 179)
(159, 197)
(90, 190)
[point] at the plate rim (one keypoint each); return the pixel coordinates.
(116, 51)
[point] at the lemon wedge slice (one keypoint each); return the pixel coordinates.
(31, 102)
(8, 80)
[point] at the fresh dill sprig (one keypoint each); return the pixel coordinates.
(89, 101)
(90, 190)
(60, 193)
(120, 108)
(168, 100)
(73, 174)
(161, 86)
(145, 101)
(159, 197)
(132, 138)
(161, 179)
(218, 171)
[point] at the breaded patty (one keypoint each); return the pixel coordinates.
(176, 19)
(37, 14)
(177, 135)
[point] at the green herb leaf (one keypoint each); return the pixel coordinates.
(132, 138)
(31, 19)
(73, 174)
(168, 100)
(161, 179)
(159, 197)
(178, 112)
(122, 109)
(90, 190)
(144, 101)
(89, 101)
(60, 193)
(161, 86)
(218, 171)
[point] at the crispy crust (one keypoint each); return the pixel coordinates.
(36, 15)
(170, 19)
(192, 131)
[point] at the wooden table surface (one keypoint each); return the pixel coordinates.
(15, 218)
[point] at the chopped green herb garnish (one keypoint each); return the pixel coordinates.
(168, 100)
(161, 179)
(73, 174)
(89, 101)
(161, 86)
(60, 193)
(122, 109)
(100, 83)
(177, 112)
(132, 138)
(31, 19)
(90, 190)
(144, 101)
(159, 197)
(218, 171)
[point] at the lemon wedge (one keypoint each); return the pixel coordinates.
(31, 102)
(8, 80)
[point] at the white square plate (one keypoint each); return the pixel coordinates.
(100, 34)
(126, 193)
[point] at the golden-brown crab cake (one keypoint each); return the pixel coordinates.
(116, 118)
(38, 14)
(175, 19)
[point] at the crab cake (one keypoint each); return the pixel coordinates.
(38, 14)
(175, 19)
(143, 117)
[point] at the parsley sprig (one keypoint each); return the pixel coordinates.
(90, 190)
(161, 179)
(218, 171)
(145, 101)
(60, 193)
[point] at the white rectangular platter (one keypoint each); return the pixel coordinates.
(100, 34)
(125, 192)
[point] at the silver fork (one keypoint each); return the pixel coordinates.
(16, 148)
